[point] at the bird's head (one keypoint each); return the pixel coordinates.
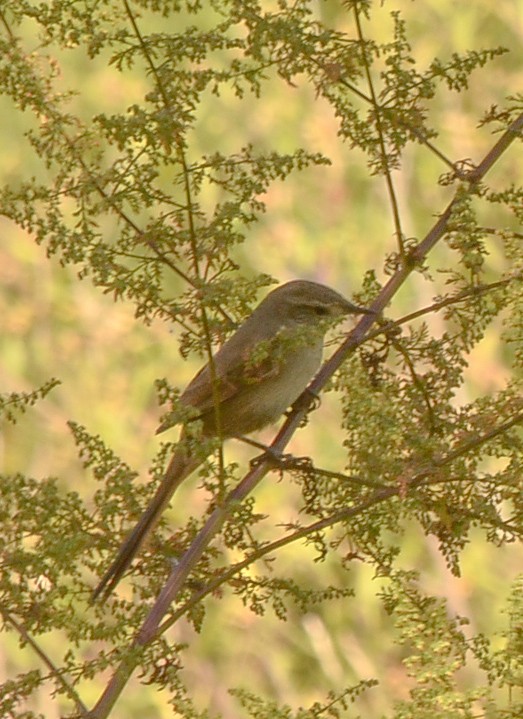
(309, 302)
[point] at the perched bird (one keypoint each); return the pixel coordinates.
(255, 376)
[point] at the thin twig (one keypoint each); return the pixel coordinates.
(386, 112)
(415, 379)
(381, 137)
(192, 237)
(55, 672)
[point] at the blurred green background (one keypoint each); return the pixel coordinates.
(329, 224)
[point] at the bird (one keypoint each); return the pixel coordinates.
(255, 376)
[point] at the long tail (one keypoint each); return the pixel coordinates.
(179, 468)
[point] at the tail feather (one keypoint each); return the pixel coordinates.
(179, 468)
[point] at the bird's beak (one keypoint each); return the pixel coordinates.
(352, 309)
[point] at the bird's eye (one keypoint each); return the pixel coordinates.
(320, 310)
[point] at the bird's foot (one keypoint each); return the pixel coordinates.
(308, 401)
(281, 461)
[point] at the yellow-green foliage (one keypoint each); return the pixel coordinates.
(162, 162)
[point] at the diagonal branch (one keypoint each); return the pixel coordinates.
(179, 574)
(354, 339)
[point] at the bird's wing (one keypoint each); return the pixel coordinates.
(228, 379)
(199, 392)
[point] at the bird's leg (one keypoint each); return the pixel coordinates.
(252, 442)
(268, 453)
